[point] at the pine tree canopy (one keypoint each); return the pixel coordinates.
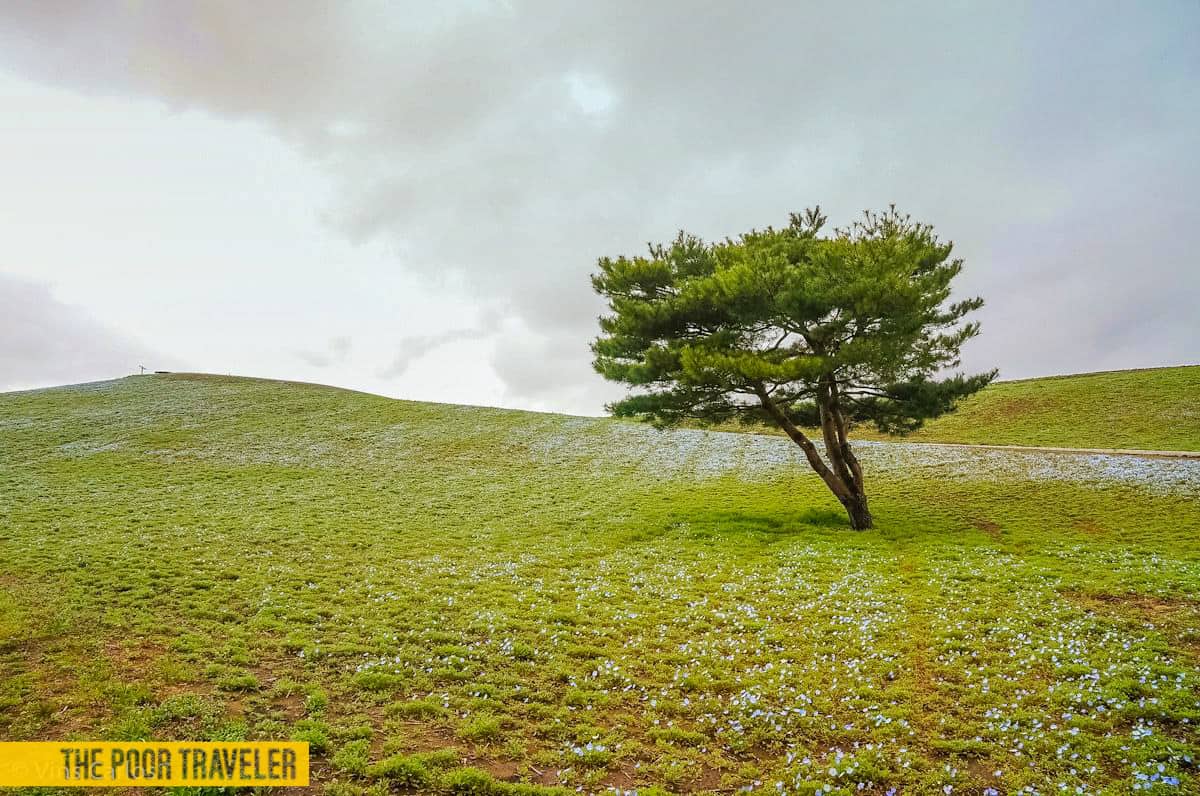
(791, 327)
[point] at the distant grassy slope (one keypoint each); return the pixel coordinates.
(1153, 409)
(1147, 409)
(450, 599)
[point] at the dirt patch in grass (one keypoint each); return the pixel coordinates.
(1148, 605)
(132, 656)
(624, 778)
(1017, 407)
(707, 781)
(269, 669)
(982, 771)
(1089, 527)
(548, 777)
(987, 526)
(290, 705)
(433, 737)
(1177, 618)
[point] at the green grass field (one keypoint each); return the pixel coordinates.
(447, 599)
(1155, 409)
(1152, 409)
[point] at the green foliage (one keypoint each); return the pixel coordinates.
(677, 735)
(239, 682)
(474, 782)
(438, 759)
(703, 330)
(354, 732)
(416, 709)
(378, 681)
(471, 782)
(317, 700)
(354, 789)
(353, 757)
(404, 770)
(792, 328)
(480, 728)
(314, 733)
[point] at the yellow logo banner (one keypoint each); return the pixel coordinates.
(153, 763)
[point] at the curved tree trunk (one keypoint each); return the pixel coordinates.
(844, 479)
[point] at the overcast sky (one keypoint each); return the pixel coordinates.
(409, 201)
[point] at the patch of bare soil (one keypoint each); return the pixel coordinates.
(1148, 605)
(707, 781)
(1177, 618)
(132, 657)
(1089, 527)
(1015, 407)
(987, 526)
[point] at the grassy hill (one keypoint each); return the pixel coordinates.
(1151, 409)
(448, 599)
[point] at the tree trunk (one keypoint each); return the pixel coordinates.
(845, 482)
(860, 515)
(833, 425)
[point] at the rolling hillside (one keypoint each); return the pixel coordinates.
(455, 600)
(1148, 409)
(1152, 409)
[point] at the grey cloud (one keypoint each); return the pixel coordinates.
(335, 353)
(550, 372)
(45, 342)
(413, 348)
(515, 143)
(535, 368)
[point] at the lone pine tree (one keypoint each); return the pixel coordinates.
(793, 328)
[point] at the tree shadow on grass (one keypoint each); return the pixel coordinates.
(768, 526)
